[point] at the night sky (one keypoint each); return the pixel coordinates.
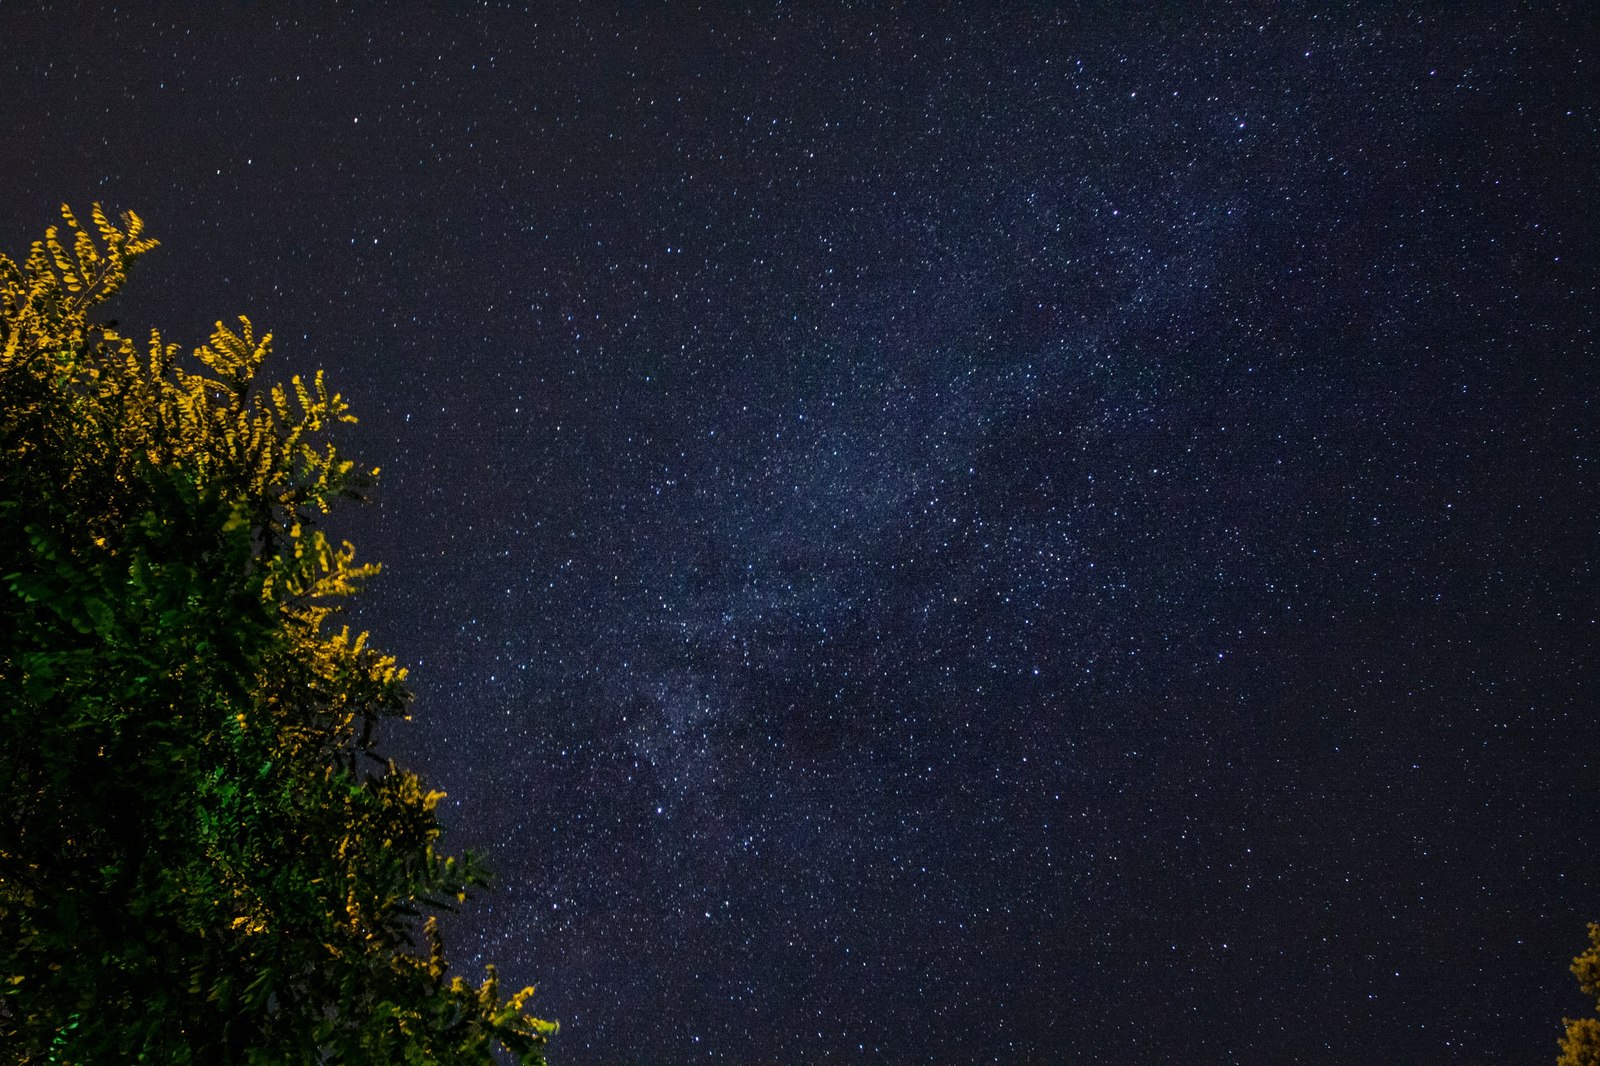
(1004, 535)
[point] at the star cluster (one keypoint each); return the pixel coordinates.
(988, 536)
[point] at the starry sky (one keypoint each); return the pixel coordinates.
(1003, 534)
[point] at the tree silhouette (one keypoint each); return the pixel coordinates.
(202, 857)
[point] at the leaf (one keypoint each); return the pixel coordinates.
(101, 615)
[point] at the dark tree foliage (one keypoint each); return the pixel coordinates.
(202, 859)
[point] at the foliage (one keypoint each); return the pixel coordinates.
(1581, 1044)
(202, 859)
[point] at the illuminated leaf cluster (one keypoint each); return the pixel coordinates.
(202, 857)
(1581, 1044)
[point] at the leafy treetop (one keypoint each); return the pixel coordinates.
(1580, 1046)
(202, 856)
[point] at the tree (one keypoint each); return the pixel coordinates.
(1581, 1044)
(202, 856)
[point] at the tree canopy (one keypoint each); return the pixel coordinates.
(202, 856)
(1580, 1046)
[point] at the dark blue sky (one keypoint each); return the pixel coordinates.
(999, 536)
